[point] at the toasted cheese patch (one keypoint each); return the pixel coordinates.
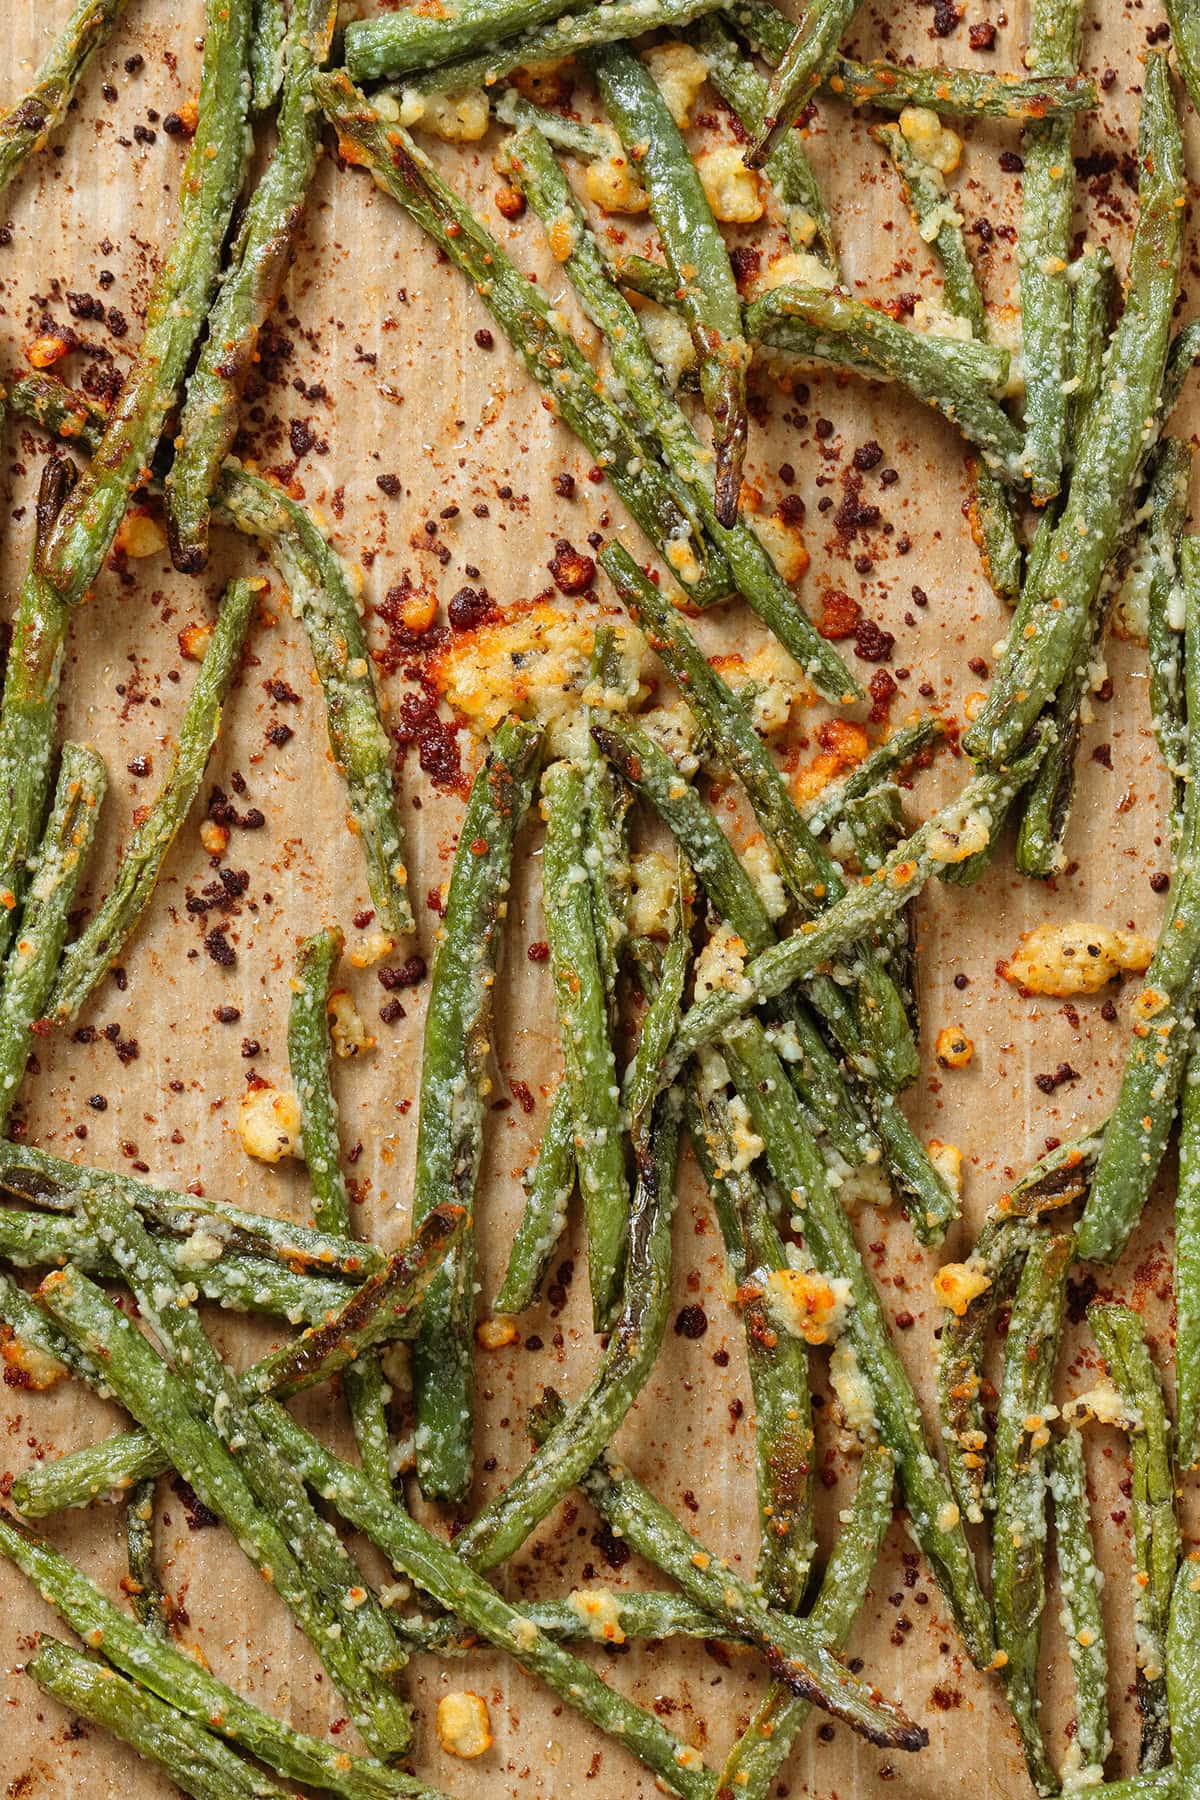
(733, 191)
(947, 1159)
(770, 684)
(1101, 1405)
(956, 1284)
(652, 897)
(454, 118)
(464, 1725)
(27, 1365)
(346, 1028)
(600, 1612)
(612, 183)
(534, 659)
(930, 140)
(796, 268)
(1075, 958)
(680, 73)
(269, 1123)
(807, 1304)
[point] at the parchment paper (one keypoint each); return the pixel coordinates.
(381, 375)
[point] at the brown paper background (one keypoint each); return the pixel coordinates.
(389, 332)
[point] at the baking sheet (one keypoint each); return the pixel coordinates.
(375, 371)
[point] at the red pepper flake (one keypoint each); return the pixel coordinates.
(573, 572)
(982, 36)
(409, 974)
(1102, 754)
(539, 952)
(523, 1095)
(691, 1322)
(219, 948)
(1012, 163)
(871, 642)
(867, 456)
(1048, 1083)
(746, 263)
(883, 691)
(470, 608)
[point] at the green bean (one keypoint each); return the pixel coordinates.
(33, 1240)
(784, 1445)
(999, 1253)
(573, 31)
(660, 1021)
(812, 877)
(151, 1608)
(653, 280)
(1185, 36)
(501, 1528)
(1093, 283)
(448, 1579)
(188, 1684)
(454, 1086)
(956, 378)
(28, 124)
(377, 1313)
(760, 1752)
(892, 86)
(1187, 1268)
(939, 223)
(268, 52)
(606, 834)
(385, 1308)
(798, 1655)
(1080, 1581)
(1183, 1691)
(534, 169)
(308, 1063)
(1154, 575)
(81, 536)
(58, 409)
(47, 1180)
(1119, 1336)
(652, 1614)
(787, 167)
(1043, 247)
(1135, 1136)
(797, 1166)
(1153, 1785)
(537, 333)
(1052, 623)
(395, 43)
(572, 135)
(197, 1762)
(1019, 1533)
(807, 59)
(1046, 805)
(590, 1071)
(54, 881)
(30, 704)
(1057, 1178)
(324, 598)
(163, 1402)
(813, 1070)
(1181, 359)
(696, 255)
(549, 1183)
(108, 931)
(250, 287)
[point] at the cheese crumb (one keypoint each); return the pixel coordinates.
(947, 1159)
(953, 1048)
(346, 1028)
(956, 1284)
(652, 895)
(496, 1333)
(464, 1726)
(27, 1365)
(807, 1304)
(733, 191)
(680, 73)
(269, 1123)
(598, 1609)
(934, 143)
(535, 658)
(611, 182)
(795, 268)
(1075, 958)
(454, 118)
